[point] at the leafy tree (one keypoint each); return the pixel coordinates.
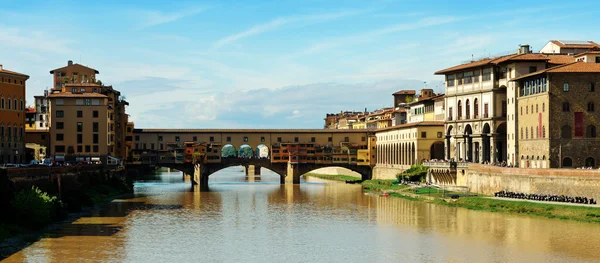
(228, 151)
(246, 152)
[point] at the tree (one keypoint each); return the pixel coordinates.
(246, 152)
(228, 151)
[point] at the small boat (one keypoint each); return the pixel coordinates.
(385, 194)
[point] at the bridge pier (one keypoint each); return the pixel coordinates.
(252, 172)
(200, 177)
(293, 174)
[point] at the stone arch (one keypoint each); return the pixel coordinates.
(262, 151)
(567, 162)
(229, 151)
(245, 151)
(590, 162)
(436, 151)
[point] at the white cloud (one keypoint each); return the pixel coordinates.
(154, 18)
(16, 38)
(279, 22)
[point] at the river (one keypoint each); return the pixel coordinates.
(167, 221)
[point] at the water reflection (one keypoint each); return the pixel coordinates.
(169, 221)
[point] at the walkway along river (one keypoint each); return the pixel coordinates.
(312, 222)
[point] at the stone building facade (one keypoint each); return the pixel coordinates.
(559, 116)
(12, 116)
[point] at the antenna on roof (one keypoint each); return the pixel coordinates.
(471, 57)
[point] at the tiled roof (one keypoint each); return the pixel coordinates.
(82, 85)
(521, 57)
(574, 67)
(403, 92)
(75, 64)
(561, 59)
(76, 95)
(473, 64)
(13, 73)
(590, 44)
(249, 131)
(30, 110)
(588, 52)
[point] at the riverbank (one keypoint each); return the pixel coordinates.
(33, 212)
(484, 203)
(333, 177)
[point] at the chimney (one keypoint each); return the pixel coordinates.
(0, 66)
(523, 49)
(70, 63)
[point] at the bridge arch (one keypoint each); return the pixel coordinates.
(262, 151)
(245, 151)
(228, 151)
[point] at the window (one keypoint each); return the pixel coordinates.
(80, 148)
(449, 113)
(597, 59)
(346, 139)
(88, 102)
(95, 114)
(160, 138)
(363, 139)
(459, 114)
(59, 136)
(423, 134)
(212, 139)
(486, 110)
(195, 138)
(468, 79)
(459, 77)
(450, 80)
(590, 107)
(228, 138)
(526, 110)
(176, 138)
(475, 108)
(87, 148)
(590, 131)
(278, 139)
(476, 76)
(79, 114)
(2, 103)
(313, 139)
(137, 137)
(526, 133)
(566, 87)
(467, 109)
(296, 139)
(543, 131)
(439, 134)
(59, 148)
(532, 69)
(330, 139)
(591, 87)
(543, 107)
(95, 138)
(487, 74)
(95, 147)
(79, 138)
(566, 107)
(566, 132)
(262, 139)
(60, 125)
(245, 138)
(82, 89)
(152, 146)
(505, 109)
(160, 146)
(74, 90)
(60, 102)
(95, 127)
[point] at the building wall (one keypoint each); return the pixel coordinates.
(402, 147)
(70, 121)
(12, 87)
(487, 180)
(74, 73)
(579, 147)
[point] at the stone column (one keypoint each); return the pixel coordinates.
(293, 175)
(257, 172)
(492, 146)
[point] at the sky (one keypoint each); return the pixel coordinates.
(271, 64)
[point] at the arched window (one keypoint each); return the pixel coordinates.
(566, 132)
(543, 107)
(537, 132)
(566, 107)
(590, 131)
(521, 111)
(536, 108)
(9, 131)
(526, 133)
(459, 114)
(475, 108)
(567, 162)
(531, 132)
(526, 110)
(521, 133)
(590, 106)
(590, 162)
(467, 110)
(1, 131)
(2, 103)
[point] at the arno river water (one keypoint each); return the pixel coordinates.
(263, 221)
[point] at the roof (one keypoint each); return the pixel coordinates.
(405, 92)
(560, 59)
(142, 130)
(76, 95)
(30, 110)
(13, 73)
(82, 85)
(575, 44)
(473, 64)
(434, 97)
(75, 64)
(574, 67)
(552, 59)
(588, 52)
(36, 130)
(413, 124)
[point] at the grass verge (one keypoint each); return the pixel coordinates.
(566, 212)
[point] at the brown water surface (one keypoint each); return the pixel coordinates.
(168, 221)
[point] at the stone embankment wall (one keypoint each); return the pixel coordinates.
(489, 179)
(388, 172)
(336, 171)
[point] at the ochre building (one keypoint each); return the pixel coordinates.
(12, 116)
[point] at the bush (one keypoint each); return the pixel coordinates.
(415, 173)
(35, 208)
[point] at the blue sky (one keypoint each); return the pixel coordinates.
(271, 64)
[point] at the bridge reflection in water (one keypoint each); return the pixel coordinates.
(241, 221)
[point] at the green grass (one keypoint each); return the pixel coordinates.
(381, 185)
(334, 177)
(579, 213)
